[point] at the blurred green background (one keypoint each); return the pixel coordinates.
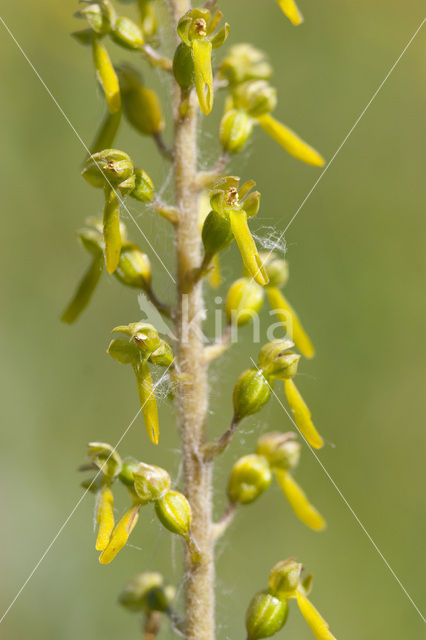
(356, 254)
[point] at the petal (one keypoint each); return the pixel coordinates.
(104, 518)
(317, 623)
(290, 141)
(247, 247)
(202, 58)
(302, 415)
(106, 76)
(290, 9)
(295, 331)
(299, 502)
(148, 401)
(120, 535)
(84, 292)
(111, 229)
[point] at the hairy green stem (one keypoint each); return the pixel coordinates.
(192, 391)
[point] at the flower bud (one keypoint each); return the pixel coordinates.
(277, 271)
(107, 166)
(251, 392)
(174, 512)
(250, 477)
(127, 34)
(99, 16)
(143, 334)
(277, 361)
(281, 450)
(265, 616)
(144, 187)
(163, 356)
(134, 594)
(151, 482)
(130, 465)
(284, 578)
(256, 97)
(183, 66)
(244, 299)
(235, 129)
(216, 233)
(134, 269)
(244, 62)
(147, 16)
(160, 598)
(141, 105)
(105, 457)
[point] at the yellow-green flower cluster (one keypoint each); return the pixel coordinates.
(250, 101)
(146, 484)
(276, 454)
(231, 206)
(113, 171)
(133, 270)
(245, 299)
(192, 64)
(277, 361)
(268, 610)
(123, 88)
(142, 347)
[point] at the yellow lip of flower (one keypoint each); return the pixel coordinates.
(148, 401)
(84, 291)
(106, 76)
(318, 625)
(302, 415)
(203, 74)
(287, 316)
(104, 517)
(111, 230)
(291, 142)
(247, 247)
(290, 9)
(299, 502)
(120, 535)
